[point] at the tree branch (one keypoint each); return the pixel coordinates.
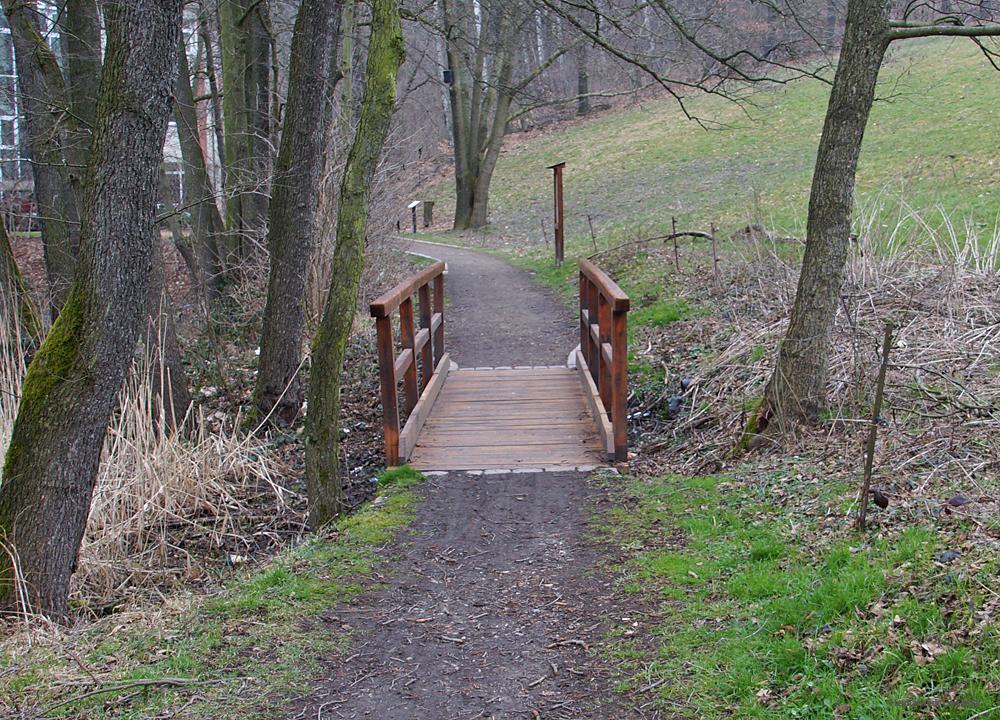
(903, 30)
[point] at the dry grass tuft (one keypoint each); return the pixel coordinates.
(935, 281)
(165, 504)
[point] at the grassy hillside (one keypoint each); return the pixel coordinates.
(752, 594)
(933, 140)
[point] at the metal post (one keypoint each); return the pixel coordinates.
(558, 214)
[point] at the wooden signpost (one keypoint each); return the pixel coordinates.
(557, 190)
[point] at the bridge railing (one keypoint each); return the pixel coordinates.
(424, 347)
(603, 355)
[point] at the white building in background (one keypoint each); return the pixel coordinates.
(16, 185)
(12, 174)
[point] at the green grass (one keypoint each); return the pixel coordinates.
(932, 140)
(246, 650)
(762, 614)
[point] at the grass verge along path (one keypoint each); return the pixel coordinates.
(240, 654)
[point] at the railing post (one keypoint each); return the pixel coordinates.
(584, 330)
(426, 311)
(594, 357)
(406, 338)
(439, 310)
(387, 381)
(619, 382)
(604, 385)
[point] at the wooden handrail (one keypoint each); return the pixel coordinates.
(603, 356)
(424, 348)
(389, 301)
(608, 287)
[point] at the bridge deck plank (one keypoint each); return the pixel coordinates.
(509, 418)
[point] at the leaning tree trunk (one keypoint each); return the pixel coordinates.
(385, 55)
(292, 224)
(74, 380)
(796, 393)
(44, 102)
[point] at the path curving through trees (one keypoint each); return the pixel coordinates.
(495, 601)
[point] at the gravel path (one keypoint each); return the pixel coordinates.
(496, 315)
(495, 599)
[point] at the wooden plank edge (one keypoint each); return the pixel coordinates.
(421, 411)
(596, 406)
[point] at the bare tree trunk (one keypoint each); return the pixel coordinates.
(168, 380)
(82, 37)
(385, 55)
(44, 99)
(259, 96)
(246, 97)
(481, 95)
(206, 222)
(291, 234)
(74, 380)
(582, 81)
(15, 296)
(797, 390)
(206, 30)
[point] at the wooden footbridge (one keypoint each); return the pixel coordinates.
(503, 417)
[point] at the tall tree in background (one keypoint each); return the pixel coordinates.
(14, 294)
(481, 37)
(246, 104)
(74, 380)
(207, 225)
(385, 55)
(50, 129)
(797, 391)
(80, 31)
(295, 198)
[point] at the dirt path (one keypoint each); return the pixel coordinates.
(495, 601)
(497, 315)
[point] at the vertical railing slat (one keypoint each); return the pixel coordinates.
(584, 330)
(603, 370)
(426, 311)
(594, 358)
(619, 382)
(387, 381)
(406, 337)
(439, 310)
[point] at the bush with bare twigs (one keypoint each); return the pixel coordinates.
(937, 282)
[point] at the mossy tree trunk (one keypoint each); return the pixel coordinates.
(385, 55)
(295, 198)
(73, 382)
(48, 125)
